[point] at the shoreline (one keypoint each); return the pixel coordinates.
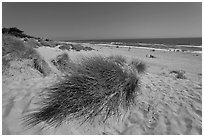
(148, 48)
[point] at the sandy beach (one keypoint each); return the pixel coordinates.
(166, 104)
(102, 68)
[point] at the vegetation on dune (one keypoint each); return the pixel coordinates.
(12, 45)
(64, 63)
(139, 65)
(42, 66)
(88, 48)
(15, 32)
(180, 74)
(32, 43)
(150, 56)
(45, 43)
(79, 47)
(47, 40)
(99, 87)
(118, 59)
(65, 47)
(30, 40)
(15, 49)
(11, 30)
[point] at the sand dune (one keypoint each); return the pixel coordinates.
(165, 104)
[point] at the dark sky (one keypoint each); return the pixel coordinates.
(104, 20)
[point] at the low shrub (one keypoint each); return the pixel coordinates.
(15, 32)
(77, 47)
(45, 43)
(65, 47)
(88, 48)
(99, 87)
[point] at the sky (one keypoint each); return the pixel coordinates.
(77, 21)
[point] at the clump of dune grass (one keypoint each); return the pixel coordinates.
(29, 53)
(42, 66)
(99, 87)
(32, 43)
(139, 65)
(65, 47)
(12, 45)
(88, 48)
(118, 59)
(45, 43)
(64, 63)
(180, 74)
(14, 49)
(79, 47)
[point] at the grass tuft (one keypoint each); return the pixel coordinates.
(88, 49)
(79, 47)
(42, 66)
(99, 87)
(12, 45)
(14, 49)
(65, 47)
(118, 59)
(138, 65)
(64, 63)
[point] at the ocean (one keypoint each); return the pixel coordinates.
(181, 44)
